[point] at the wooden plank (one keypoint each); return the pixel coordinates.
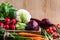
(18, 4)
(1, 1)
(39, 8)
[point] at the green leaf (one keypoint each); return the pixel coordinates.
(1, 18)
(7, 10)
(23, 18)
(49, 35)
(12, 13)
(20, 26)
(46, 34)
(2, 30)
(1, 15)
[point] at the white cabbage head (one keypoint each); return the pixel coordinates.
(23, 16)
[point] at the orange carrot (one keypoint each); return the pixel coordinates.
(32, 36)
(37, 38)
(28, 34)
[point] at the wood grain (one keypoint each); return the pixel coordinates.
(39, 8)
(1, 1)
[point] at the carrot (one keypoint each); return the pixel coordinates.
(28, 34)
(32, 36)
(37, 38)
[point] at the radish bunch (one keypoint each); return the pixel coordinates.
(8, 24)
(52, 30)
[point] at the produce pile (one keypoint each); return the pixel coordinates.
(13, 19)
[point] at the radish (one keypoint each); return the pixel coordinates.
(13, 27)
(51, 31)
(56, 35)
(6, 27)
(58, 26)
(51, 28)
(54, 29)
(7, 20)
(1, 24)
(47, 30)
(13, 21)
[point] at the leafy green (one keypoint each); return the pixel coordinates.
(20, 26)
(46, 34)
(23, 18)
(2, 30)
(1, 17)
(17, 37)
(14, 36)
(7, 10)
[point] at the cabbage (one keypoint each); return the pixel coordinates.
(45, 23)
(37, 20)
(32, 25)
(20, 26)
(23, 16)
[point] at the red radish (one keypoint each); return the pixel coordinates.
(51, 31)
(1, 24)
(13, 21)
(55, 35)
(58, 35)
(13, 27)
(47, 30)
(7, 20)
(6, 27)
(58, 26)
(54, 29)
(50, 28)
